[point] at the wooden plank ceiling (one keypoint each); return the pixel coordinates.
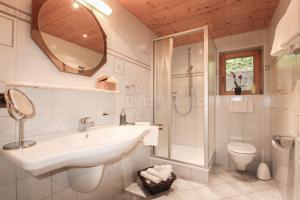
(224, 17)
(61, 19)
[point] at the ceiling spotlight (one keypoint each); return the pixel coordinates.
(75, 5)
(85, 35)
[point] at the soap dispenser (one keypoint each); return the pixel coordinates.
(123, 117)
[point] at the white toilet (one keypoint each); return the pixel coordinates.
(241, 153)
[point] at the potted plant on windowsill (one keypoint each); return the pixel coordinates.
(237, 80)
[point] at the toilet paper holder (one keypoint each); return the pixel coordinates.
(283, 142)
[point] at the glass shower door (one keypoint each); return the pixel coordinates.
(162, 94)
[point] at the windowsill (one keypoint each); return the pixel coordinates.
(248, 92)
(241, 94)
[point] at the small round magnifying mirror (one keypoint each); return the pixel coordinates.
(21, 108)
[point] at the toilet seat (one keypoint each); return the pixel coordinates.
(241, 148)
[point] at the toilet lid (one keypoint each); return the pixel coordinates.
(239, 147)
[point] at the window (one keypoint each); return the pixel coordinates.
(245, 65)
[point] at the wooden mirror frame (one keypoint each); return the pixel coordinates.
(38, 39)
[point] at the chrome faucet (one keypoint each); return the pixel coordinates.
(85, 123)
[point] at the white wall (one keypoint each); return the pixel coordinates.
(60, 110)
(252, 127)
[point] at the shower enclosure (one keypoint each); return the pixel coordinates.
(184, 91)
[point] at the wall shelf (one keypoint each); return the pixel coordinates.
(54, 86)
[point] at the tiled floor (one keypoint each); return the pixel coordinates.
(222, 185)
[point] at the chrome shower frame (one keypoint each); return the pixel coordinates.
(207, 160)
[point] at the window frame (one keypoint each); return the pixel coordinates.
(257, 71)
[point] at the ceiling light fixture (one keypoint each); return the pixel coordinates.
(75, 5)
(97, 5)
(85, 35)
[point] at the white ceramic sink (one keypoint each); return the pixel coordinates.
(83, 149)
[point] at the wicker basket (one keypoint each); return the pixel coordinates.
(154, 188)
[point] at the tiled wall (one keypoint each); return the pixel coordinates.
(253, 127)
(129, 60)
(188, 130)
(285, 113)
(285, 73)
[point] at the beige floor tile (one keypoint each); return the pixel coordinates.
(261, 185)
(243, 187)
(223, 186)
(270, 194)
(181, 184)
(215, 179)
(208, 194)
(196, 185)
(239, 198)
(226, 190)
(188, 195)
(235, 176)
(166, 196)
(218, 169)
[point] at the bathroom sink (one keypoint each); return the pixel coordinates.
(82, 149)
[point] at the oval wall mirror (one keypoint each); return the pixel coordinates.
(70, 35)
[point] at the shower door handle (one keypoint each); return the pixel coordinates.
(160, 126)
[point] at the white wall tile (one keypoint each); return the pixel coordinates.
(7, 36)
(33, 188)
(247, 127)
(33, 69)
(7, 172)
(59, 181)
(8, 61)
(65, 194)
(7, 125)
(8, 191)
